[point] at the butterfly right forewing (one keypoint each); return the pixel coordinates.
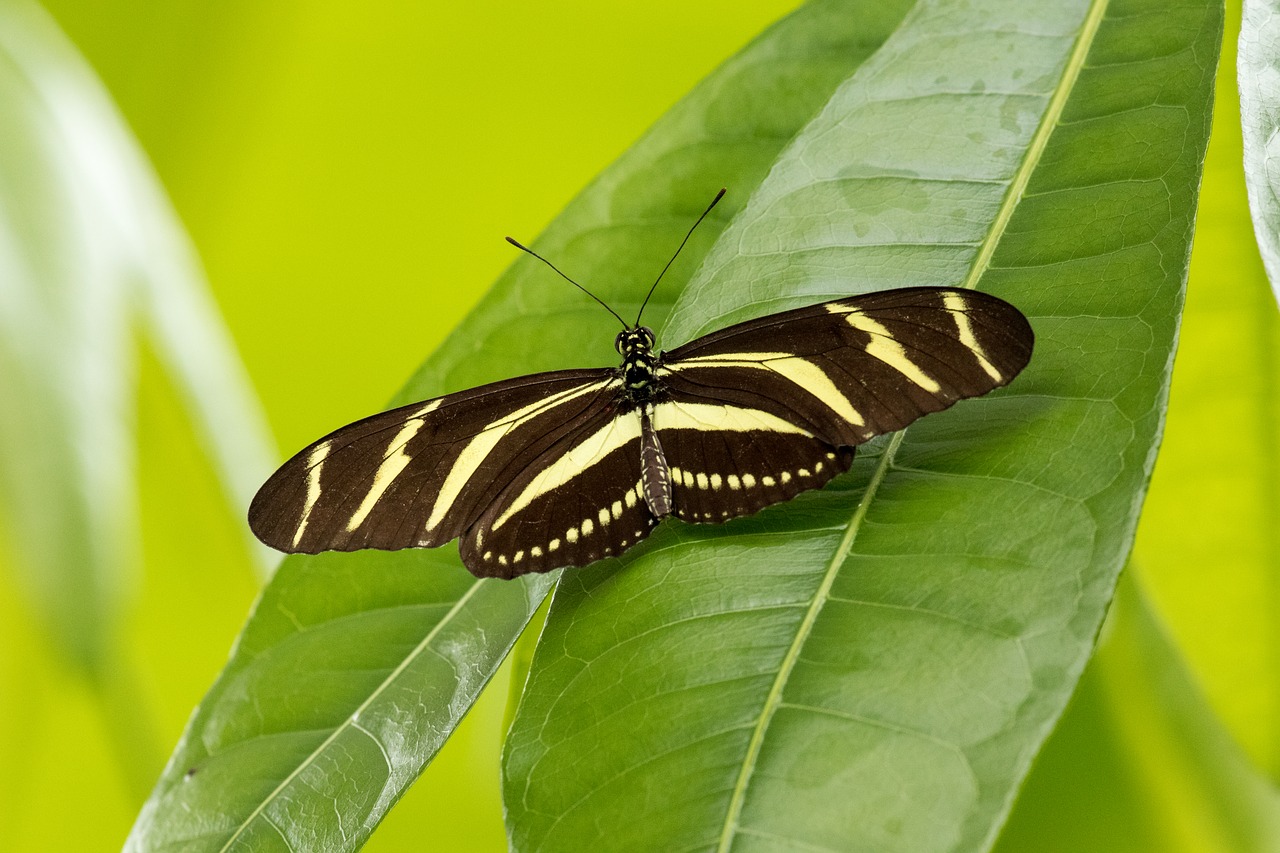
(863, 366)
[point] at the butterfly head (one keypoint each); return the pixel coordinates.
(631, 341)
(635, 345)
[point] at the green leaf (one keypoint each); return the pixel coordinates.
(873, 667)
(1259, 69)
(354, 668)
(1140, 761)
(89, 247)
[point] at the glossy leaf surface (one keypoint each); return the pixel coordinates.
(874, 667)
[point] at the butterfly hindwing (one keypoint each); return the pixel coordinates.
(419, 475)
(728, 461)
(579, 501)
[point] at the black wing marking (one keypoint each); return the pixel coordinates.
(419, 475)
(579, 501)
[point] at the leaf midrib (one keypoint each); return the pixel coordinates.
(774, 699)
(352, 719)
(1021, 177)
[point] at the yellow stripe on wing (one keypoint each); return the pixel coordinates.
(885, 347)
(392, 464)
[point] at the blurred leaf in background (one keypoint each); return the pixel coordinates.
(1258, 76)
(93, 261)
(91, 250)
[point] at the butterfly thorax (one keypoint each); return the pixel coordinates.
(639, 364)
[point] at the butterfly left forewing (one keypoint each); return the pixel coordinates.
(419, 475)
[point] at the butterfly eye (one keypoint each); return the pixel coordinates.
(648, 336)
(617, 342)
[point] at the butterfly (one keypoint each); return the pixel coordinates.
(568, 467)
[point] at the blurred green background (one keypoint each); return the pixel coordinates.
(347, 175)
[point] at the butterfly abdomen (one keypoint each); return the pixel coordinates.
(655, 471)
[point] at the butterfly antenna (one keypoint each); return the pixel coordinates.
(571, 281)
(714, 202)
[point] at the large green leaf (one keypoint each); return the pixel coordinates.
(1139, 751)
(354, 668)
(874, 667)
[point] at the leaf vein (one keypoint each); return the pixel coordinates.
(260, 809)
(924, 611)
(774, 697)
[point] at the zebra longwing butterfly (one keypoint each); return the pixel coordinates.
(565, 468)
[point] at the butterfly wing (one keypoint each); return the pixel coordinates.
(734, 454)
(582, 499)
(762, 410)
(419, 475)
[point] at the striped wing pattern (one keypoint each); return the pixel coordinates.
(875, 362)
(826, 378)
(562, 469)
(580, 501)
(420, 475)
